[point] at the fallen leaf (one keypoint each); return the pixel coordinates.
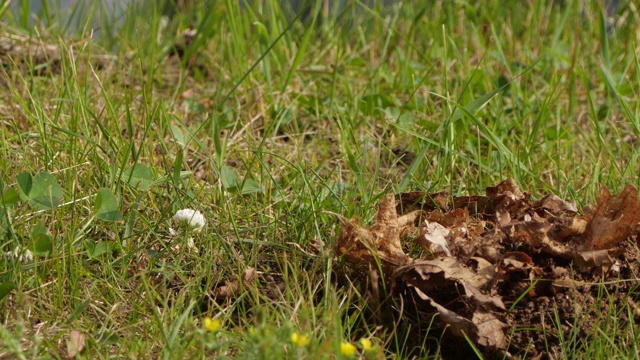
(448, 271)
(457, 324)
(516, 264)
(433, 238)
(476, 205)
(389, 226)
(75, 344)
(484, 269)
(537, 235)
(490, 330)
(614, 218)
(556, 205)
(604, 259)
(231, 288)
(484, 328)
(573, 227)
(566, 282)
(507, 188)
(364, 247)
(503, 218)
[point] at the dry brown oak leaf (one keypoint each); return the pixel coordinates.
(361, 246)
(614, 218)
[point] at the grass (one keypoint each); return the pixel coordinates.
(269, 124)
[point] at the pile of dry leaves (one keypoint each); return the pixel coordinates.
(496, 264)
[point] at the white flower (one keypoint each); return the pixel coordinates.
(27, 256)
(191, 245)
(23, 255)
(172, 232)
(194, 219)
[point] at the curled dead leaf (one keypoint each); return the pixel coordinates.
(426, 275)
(364, 247)
(614, 218)
(556, 205)
(507, 188)
(484, 328)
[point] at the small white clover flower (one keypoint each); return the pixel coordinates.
(191, 245)
(192, 218)
(27, 256)
(23, 255)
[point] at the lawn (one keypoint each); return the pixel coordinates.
(287, 131)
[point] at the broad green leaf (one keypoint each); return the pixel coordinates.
(106, 206)
(25, 182)
(194, 106)
(139, 176)
(357, 61)
(40, 240)
(39, 228)
(41, 191)
(229, 178)
(42, 244)
(250, 186)
(168, 178)
(106, 338)
(4, 224)
(10, 197)
(178, 135)
(96, 249)
(6, 288)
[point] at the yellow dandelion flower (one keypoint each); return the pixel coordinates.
(366, 344)
(212, 325)
(299, 340)
(347, 349)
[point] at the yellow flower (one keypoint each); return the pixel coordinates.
(212, 325)
(347, 349)
(299, 340)
(366, 344)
